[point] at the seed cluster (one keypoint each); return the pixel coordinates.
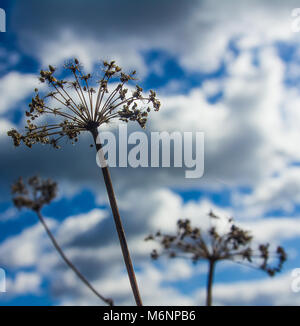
(34, 194)
(87, 109)
(235, 245)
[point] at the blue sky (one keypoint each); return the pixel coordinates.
(231, 70)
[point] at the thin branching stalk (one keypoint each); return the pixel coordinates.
(69, 263)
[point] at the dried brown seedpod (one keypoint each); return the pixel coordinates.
(236, 245)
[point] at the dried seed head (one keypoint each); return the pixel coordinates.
(235, 245)
(82, 112)
(35, 194)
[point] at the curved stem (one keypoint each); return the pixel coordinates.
(69, 263)
(119, 226)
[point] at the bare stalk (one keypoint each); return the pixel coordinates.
(210, 280)
(69, 263)
(119, 226)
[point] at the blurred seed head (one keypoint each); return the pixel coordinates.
(33, 194)
(236, 245)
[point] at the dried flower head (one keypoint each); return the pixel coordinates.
(235, 245)
(35, 194)
(87, 109)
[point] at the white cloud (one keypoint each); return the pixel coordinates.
(9, 214)
(15, 87)
(274, 230)
(197, 33)
(68, 45)
(272, 291)
(24, 249)
(280, 191)
(83, 223)
(23, 284)
(244, 131)
(5, 126)
(212, 87)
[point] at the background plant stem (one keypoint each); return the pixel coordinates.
(119, 226)
(210, 279)
(69, 263)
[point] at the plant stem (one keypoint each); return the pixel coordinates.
(212, 264)
(69, 263)
(118, 223)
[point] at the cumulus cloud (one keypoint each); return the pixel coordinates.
(278, 192)
(274, 230)
(23, 284)
(126, 29)
(23, 250)
(15, 87)
(267, 292)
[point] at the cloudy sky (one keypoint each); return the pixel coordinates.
(230, 69)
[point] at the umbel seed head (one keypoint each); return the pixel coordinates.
(234, 245)
(79, 107)
(33, 194)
